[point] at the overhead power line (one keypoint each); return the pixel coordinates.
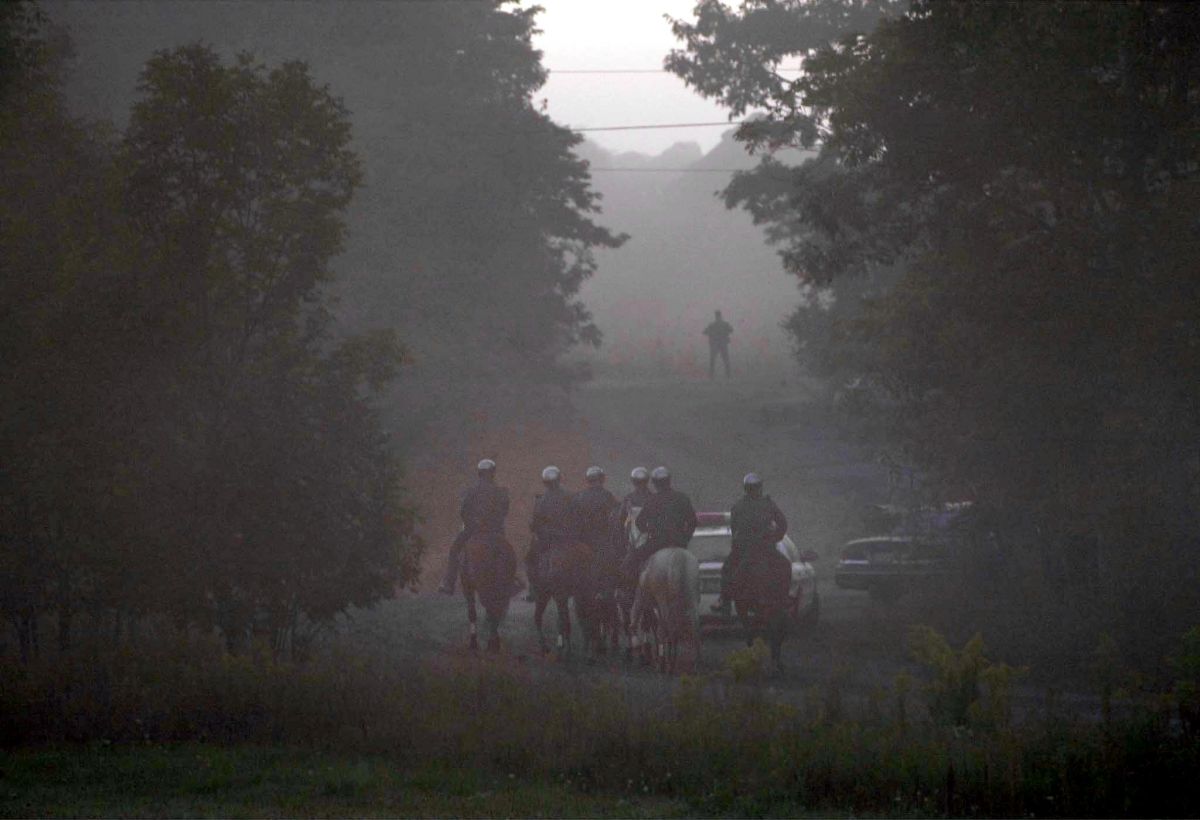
(673, 170)
(658, 125)
(637, 70)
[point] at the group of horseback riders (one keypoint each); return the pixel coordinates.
(662, 515)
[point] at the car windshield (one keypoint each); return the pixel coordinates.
(710, 547)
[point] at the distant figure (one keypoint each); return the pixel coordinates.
(718, 333)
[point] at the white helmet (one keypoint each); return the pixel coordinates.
(661, 475)
(486, 466)
(594, 473)
(640, 475)
(751, 480)
(550, 474)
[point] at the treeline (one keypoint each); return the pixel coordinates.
(997, 245)
(202, 307)
(182, 431)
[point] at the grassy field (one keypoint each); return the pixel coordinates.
(193, 780)
(181, 728)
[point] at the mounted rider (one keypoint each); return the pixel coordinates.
(756, 523)
(551, 522)
(590, 512)
(668, 519)
(629, 508)
(483, 510)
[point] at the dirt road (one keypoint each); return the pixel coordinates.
(710, 434)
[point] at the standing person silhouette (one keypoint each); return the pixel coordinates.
(718, 333)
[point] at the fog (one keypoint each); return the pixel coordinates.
(689, 256)
(300, 302)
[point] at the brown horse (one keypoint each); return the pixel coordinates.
(760, 586)
(669, 591)
(564, 573)
(487, 574)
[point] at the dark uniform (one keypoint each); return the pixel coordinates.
(756, 522)
(718, 333)
(668, 519)
(550, 525)
(483, 510)
(590, 514)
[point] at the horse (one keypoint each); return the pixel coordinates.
(487, 575)
(669, 591)
(759, 588)
(624, 590)
(605, 623)
(564, 573)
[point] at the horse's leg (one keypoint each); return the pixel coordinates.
(747, 623)
(539, 610)
(493, 622)
(564, 623)
(778, 630)
(612, 619)
(472, 615)
(626, 629)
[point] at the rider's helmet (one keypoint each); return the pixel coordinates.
(594, 475)
(661, 477)
(551, 475)
(639, 476)
(486, 467)
(752, 483)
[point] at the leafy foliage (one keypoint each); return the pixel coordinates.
(473, 190)
(184, 433)
(1014, 185)
(717, 746)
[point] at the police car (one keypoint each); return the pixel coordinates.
(711, 544)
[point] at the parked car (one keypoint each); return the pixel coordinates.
(887, 565)
(711, 544)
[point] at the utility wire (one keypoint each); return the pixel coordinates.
(634, 70)
(658, 125)
(674, 170)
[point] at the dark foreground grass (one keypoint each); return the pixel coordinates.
(246, 781)
(182, 728)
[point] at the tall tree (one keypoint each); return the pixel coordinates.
(1031, 168)
(184, 434)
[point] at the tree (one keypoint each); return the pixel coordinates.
(185, 433)
(236, 177)
(1031, 169)
(472, 190)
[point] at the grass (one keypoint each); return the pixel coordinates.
(181, 728)
(247, 781)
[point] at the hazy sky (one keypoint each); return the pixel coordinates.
(620, 34)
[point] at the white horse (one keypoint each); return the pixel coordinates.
(668, 593)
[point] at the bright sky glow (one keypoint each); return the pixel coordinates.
(620, 34)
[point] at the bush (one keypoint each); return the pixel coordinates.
(720, 746)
